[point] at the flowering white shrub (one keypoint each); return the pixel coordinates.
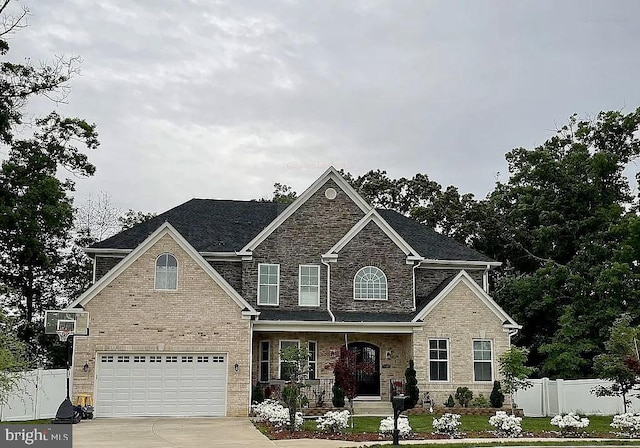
(569, 422)
(506, 425)
(271, 411)
(386, 426)
(628, 424)
(333, 421)
(447, 424)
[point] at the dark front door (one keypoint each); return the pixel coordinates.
(368, 370)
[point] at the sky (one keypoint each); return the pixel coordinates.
(221, 99)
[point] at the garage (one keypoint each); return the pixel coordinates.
(171, 384)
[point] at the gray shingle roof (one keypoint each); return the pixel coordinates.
(212, 225)
(288, 315)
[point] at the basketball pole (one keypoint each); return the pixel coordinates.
(68, 362)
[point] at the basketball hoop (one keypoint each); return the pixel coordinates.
(63, 334)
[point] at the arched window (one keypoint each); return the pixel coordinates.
(370, 283)
(166, 272)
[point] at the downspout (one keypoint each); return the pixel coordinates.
(333, 318)
(485, 279)
(250, 363)
(413, 271)
(512, 333)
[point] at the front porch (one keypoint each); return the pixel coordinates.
(389, 354)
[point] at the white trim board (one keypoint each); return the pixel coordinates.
(330, 174)
(164, 229)
(463, 277)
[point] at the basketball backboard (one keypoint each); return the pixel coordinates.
(75, 321)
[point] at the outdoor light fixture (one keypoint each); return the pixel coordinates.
(236, 367)
(85, 367)
(388, 354)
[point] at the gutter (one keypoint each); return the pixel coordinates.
(416, 265)
(333, 318)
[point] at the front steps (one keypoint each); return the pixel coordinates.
(372, 408)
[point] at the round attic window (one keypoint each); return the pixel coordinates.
(330, 193)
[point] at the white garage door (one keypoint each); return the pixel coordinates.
(173, 384)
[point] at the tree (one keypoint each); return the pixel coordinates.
(621, 362)
(295, 361)
(497, 396)
(515, 374)
(36, 210)
(411, 386)
(131, 218)
(12, 358)
(345, 371)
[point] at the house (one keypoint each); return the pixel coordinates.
(190, 309)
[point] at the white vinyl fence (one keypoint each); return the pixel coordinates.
(37, 396)
(551, 397)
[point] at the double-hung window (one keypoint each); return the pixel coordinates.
(265, 349)
(309, 289)
(482, 360)
(438, 360)
(312, 348)
(286, 367)
(268, 284)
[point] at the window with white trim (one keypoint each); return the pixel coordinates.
(438, 360)
(309, 285)
(268, 283)
(370, 283)
(166, 272)
(265, 349)
(482, 360)
(312, 349)
(286, 367)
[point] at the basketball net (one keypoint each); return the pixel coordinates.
(63, 335)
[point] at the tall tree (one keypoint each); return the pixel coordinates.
(36, 210)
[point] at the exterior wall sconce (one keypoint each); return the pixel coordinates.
(236, 367)
(332, 353)
(388, 354)
(85, 367)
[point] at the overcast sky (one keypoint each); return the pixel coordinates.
(220, 99)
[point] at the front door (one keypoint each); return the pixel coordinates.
(368, 371)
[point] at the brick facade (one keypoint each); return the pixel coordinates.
(128, 315)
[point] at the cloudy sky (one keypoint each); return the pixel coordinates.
(220, 99)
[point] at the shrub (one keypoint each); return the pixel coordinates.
(411, 386)
(497, 397)
(257, 395)
(628, 424)
(569, 423)
(386, 426)
(464, 396)
(333, 421)
(272, 412)
(480, 401)
(506, 425)
(338, 396)
(447, 424)
(450, 403)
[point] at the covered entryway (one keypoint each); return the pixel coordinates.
(368, 378)
(175, 384)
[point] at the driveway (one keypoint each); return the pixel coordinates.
(180, 433)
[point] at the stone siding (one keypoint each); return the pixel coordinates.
(460, 318)
(104, 263)
(128, 315)
(372, 247)
(428, 279)
(231, 271)
(311, 231)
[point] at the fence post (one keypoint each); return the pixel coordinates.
(545, 397)
(561, 397)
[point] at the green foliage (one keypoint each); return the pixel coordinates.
(13, 357)
(450, 402)
(497, 396)
(620, 364)
(338, 396)
(411, 386)
(295, 359)
(464, 396)
(515, 374)
(257, 394)
(132, 218)
(480, 401)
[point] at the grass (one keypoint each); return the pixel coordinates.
(598, 426)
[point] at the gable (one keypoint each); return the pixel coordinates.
(463, 280)
(346, 204)
(161, 236)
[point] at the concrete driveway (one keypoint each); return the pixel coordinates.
(180, 433)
